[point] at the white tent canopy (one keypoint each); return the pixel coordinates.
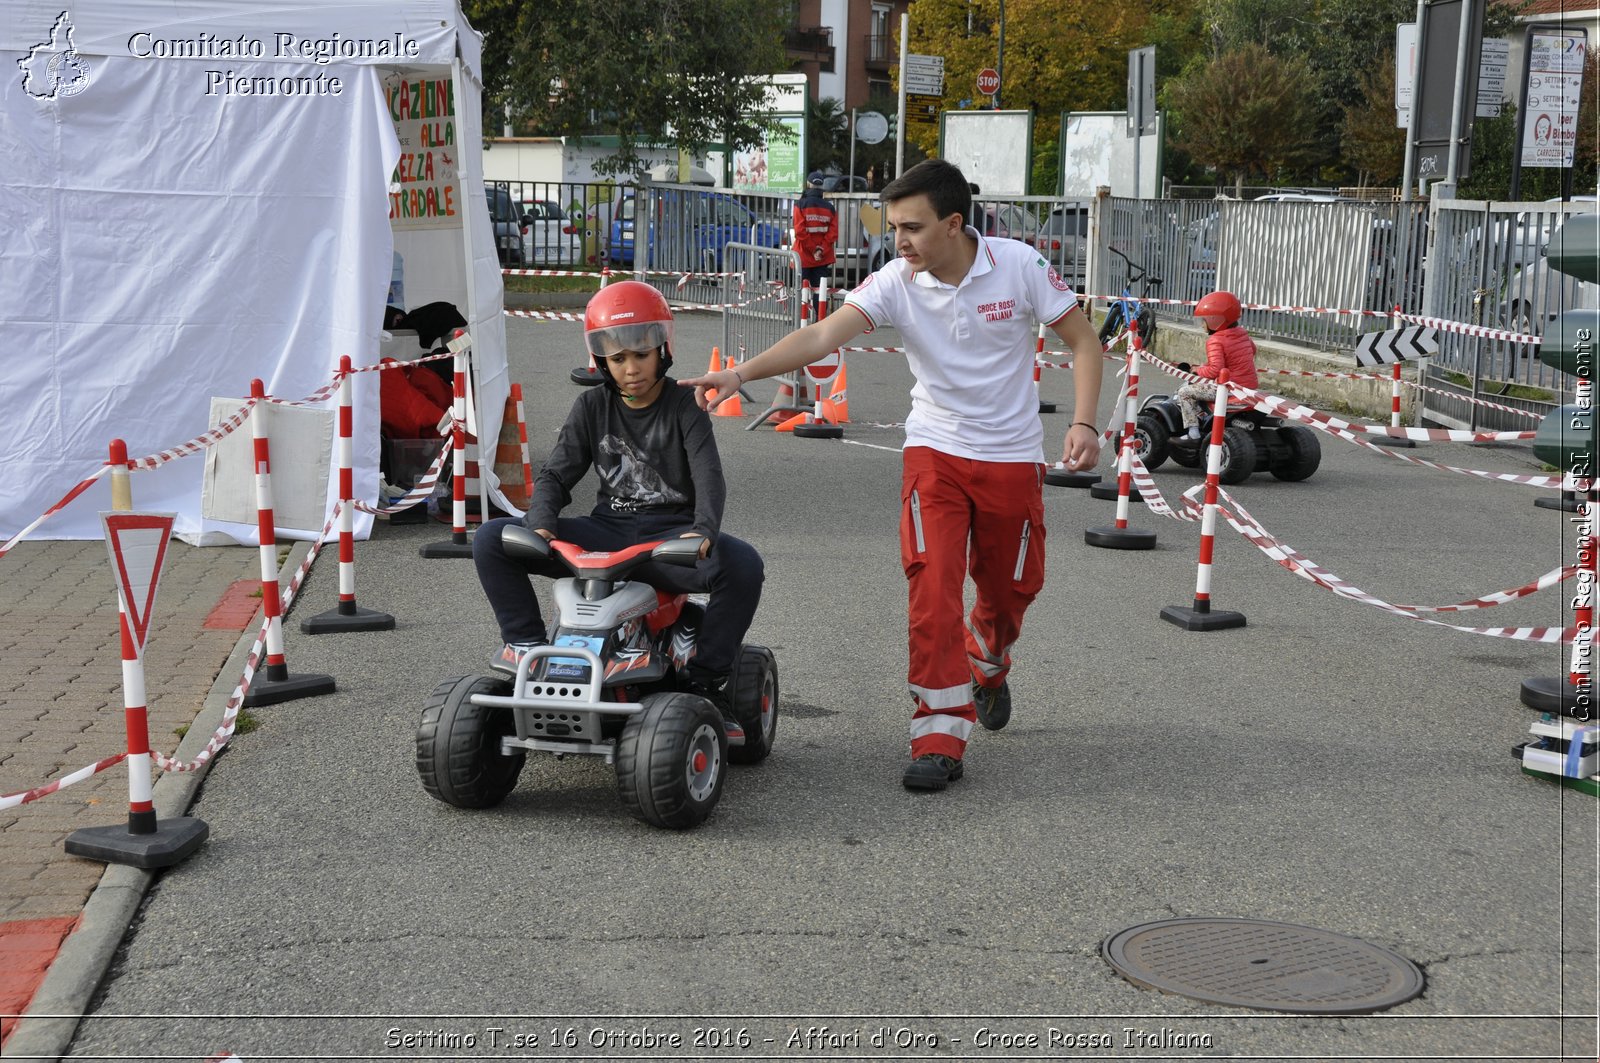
(200, 195)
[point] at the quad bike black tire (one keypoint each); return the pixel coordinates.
(1153, 440)
(671, 760)
(1305, 453)
(1191, 457)
(755, 704)
(458, 744)
(1238, 454)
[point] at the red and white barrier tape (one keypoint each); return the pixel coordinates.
(1242, 522)
(1472, 330)
(66, 500)
(199, 443)
(419, 491)
(13, 800)
(552, 273)
(1474, 400)
(230, 712)
(1281, 407)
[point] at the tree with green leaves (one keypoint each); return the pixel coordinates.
(1246, 112)
(671, 73)
(1371, 141)
(827, 134)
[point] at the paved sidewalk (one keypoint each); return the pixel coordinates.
(61, 704)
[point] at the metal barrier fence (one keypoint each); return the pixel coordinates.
(762, 302)
(1351, 256)
(569, 223)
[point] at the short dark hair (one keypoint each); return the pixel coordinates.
(942, 182)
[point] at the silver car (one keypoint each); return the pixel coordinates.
(550, 238)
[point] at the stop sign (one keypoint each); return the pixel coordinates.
(988, 81)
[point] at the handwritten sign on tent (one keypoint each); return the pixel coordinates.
(423, 190)
(137, 543)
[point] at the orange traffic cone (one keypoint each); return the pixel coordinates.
(787, 425)
(733, 407)
(837, 404)
(510, 456)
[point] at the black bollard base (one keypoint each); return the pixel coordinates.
(1107, 491)
(265, 691)
(1569, 502)
(354, 618)
(819, 430)
(1201, 619)
(1115, 538)
(585, 377)
(172, 841)
(455, 546)
(1046, 407)
(1556, 694)
(1061, 477)
(1396, 442)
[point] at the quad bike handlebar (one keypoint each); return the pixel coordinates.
(528, 545)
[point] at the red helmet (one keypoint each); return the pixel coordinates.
(1219, 310)
(627, 316)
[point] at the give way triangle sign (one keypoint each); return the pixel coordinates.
(138, 544)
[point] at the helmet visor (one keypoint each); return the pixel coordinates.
(641, 336)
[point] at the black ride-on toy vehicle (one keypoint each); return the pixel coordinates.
(1252, 442)
(611, 684)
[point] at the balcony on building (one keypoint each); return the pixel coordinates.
(809, 44)
(882, 51)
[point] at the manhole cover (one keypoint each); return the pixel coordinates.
(1256, 963)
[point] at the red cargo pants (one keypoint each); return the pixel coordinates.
(960, 515)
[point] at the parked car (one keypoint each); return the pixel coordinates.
(838, 182)
(551, 237)
(1064, 242)
(510, 226)
(1009, 221)
(712, 219)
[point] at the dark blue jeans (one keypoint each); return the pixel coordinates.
(732, 574)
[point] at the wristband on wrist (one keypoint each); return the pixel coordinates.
(738, 376)
(1085, 424)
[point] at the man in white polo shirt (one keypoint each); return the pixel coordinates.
(966, 307)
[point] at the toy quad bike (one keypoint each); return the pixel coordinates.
(610, 685)
(1252, 442)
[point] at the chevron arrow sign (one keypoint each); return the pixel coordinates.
(1396, 345)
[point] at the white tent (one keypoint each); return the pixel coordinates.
(200, 194)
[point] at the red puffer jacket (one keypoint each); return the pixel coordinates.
(1231, 349)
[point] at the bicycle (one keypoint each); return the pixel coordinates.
(1129, 306)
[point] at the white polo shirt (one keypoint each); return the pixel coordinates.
(971, 347)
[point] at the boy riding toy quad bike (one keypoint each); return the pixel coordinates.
(613, 684)
(1252, 442)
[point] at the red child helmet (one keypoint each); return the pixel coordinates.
(627, 316)
(1219, 310)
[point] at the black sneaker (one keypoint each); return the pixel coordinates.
(715, 689)
(993, 704)
(931, 771)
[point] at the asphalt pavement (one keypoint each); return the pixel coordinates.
(1329, 764)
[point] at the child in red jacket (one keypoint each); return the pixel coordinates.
(1227, 347)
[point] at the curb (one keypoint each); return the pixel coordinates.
(46, 1029)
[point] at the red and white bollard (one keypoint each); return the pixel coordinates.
(1119, 536)
(1038, 367)
(1573, 694)
(137, 543)
(458, 544)
(824, 369)
(347, 615)
(273, 683)
(1201, 617)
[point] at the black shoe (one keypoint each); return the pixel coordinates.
(994, 705)
(714, 688)
(931, 771)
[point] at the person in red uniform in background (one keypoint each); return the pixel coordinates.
(816, 228)
(1227, 347)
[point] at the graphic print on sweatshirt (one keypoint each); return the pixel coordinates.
(633, 482)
